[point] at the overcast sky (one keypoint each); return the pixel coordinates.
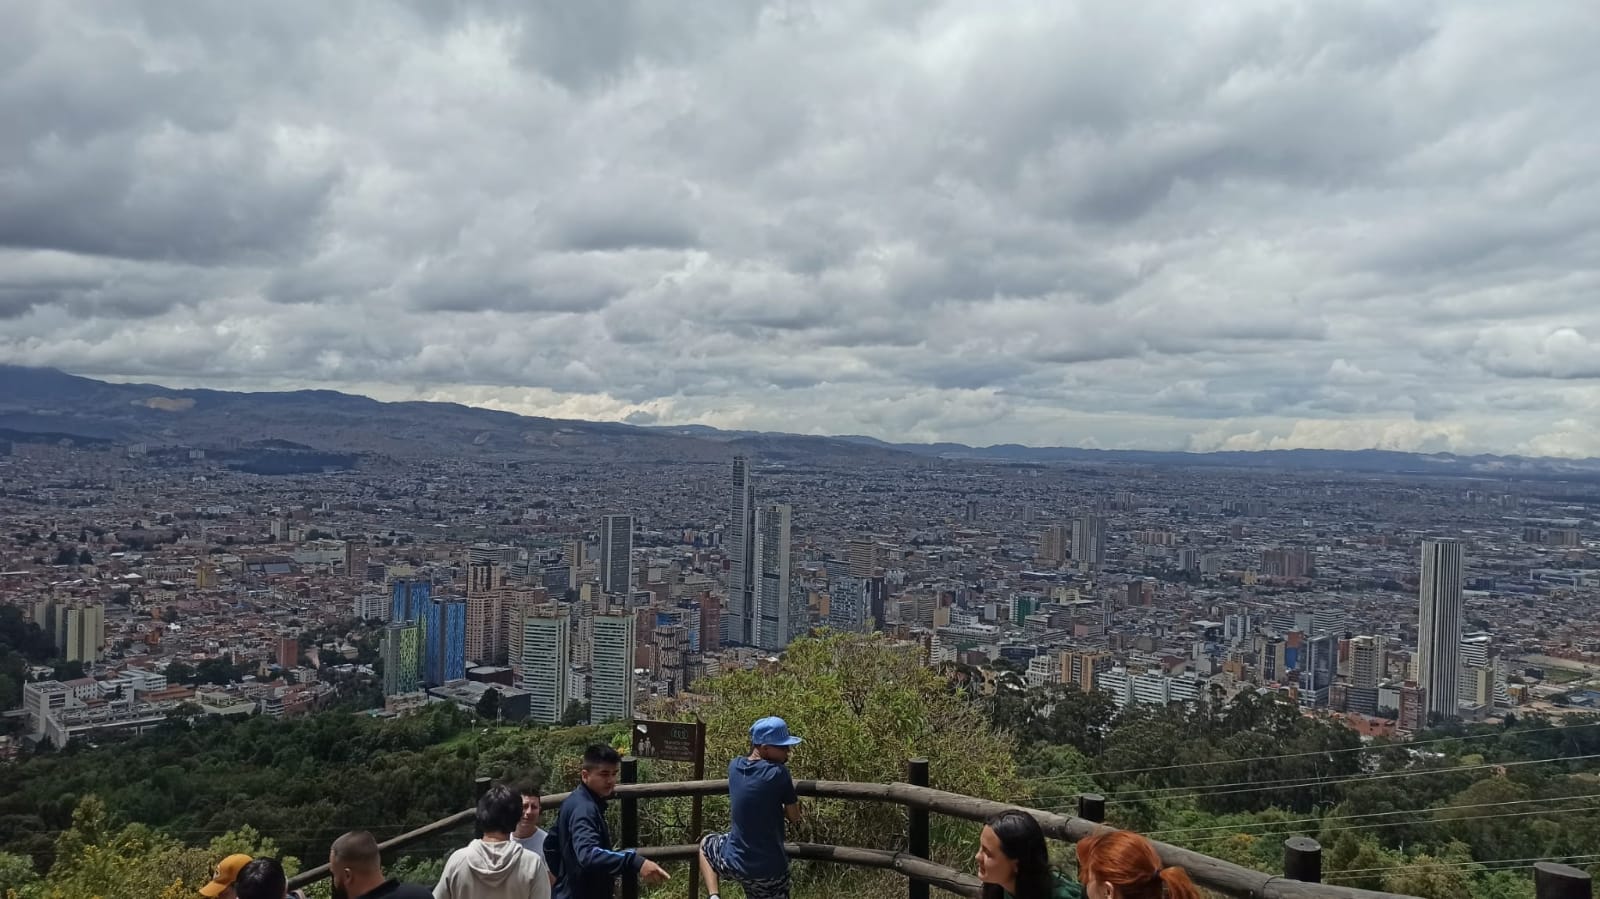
(1180, 225)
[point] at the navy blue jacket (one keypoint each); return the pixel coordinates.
(579, 851)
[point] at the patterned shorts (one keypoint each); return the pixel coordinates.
(754, 888)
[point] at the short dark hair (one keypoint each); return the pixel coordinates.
(262, 879)
(499, 810)
(357, 849)
(600, 754)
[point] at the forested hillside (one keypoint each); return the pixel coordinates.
(1458, 815)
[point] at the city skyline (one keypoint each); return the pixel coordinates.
(1073, 224)
(463, 575)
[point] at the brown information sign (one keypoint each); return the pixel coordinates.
(670, 741)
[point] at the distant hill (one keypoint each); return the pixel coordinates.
(50, 401)
(1370, 460)
(45, 403)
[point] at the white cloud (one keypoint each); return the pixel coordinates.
(1254, 225)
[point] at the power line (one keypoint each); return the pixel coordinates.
(1169, 792)
(1218, 838)
(1518, 862)
(1322, 752)
(1412, 811)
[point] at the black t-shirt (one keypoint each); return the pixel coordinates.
(394, 889)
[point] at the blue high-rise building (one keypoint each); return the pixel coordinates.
(444, 634)
(408, 599)
(1318, 664)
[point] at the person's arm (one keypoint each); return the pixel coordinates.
(791, 799)
(442, 890)
(552, 852)
(591, 856)
(542, 880)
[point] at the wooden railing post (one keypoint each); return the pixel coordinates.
(630, 825)
(1553, 881)
(917, 826)
(1302, 859)
(1092, 807)
(480, 786)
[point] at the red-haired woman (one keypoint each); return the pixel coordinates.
(1120, 864)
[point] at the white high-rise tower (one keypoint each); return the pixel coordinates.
(1089, 541)
(546, 662)
(772, 589)
(1439, 626)
(611, 687)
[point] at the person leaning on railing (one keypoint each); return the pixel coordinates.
(1120, 864)
(1014, 863)
(578, 848)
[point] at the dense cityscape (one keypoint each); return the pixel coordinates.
(552, 593)
(632, 450)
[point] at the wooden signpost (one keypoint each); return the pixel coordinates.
(676, 741)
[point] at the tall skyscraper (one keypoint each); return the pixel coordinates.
(616, 554)
(546, 664)
(575, 559)
(1366, 662)
(710, 624)
(773, 606)
(1318, 661)
(611, 687)
(484, 577)
(485, 637)
(78, 630)
(738, 617)
(1053, 544)
(357, 553)
(288, 651)
(863, 556)
(444, 634)
(1439, 627)
(401, 649)
(877, 601)
(514, 605)
(408, 598)
(1089, 541)
(82, 635)
(847, 604)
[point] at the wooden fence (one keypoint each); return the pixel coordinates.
(1302, 855)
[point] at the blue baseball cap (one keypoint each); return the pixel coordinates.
(771, 732)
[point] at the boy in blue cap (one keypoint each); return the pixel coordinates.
(761, 796)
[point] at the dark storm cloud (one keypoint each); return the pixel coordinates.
(1251, 225)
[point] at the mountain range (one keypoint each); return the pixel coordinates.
(46, 403)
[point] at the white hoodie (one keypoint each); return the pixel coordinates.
(493, 871)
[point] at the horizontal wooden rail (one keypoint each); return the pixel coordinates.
(940, 876)
(1212, 873)
(409, 838)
